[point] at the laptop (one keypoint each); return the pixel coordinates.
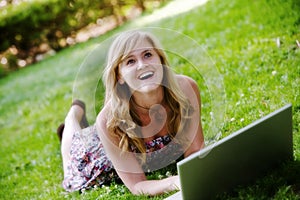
(238, 158)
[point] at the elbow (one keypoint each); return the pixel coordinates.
(138, 190)
(134, 190)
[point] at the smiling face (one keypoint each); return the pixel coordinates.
(141, 69)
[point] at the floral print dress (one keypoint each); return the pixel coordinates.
(89, 165)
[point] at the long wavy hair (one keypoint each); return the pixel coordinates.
(122, 120)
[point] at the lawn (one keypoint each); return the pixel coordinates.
(251, 44)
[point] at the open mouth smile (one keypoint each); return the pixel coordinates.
(146, 75)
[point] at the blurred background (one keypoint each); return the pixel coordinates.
(48, 47)
(34, 29)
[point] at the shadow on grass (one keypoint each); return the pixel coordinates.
(280, 182)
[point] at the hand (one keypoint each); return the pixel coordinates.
(176, 183)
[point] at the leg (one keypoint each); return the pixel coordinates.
(73, 123)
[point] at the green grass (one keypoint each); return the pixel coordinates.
(239, 36)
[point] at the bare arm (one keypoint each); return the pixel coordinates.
(128, 168)
(158, 186)
(150, 187)
(191, 90)
(126, 165)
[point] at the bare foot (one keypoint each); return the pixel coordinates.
(77, 112)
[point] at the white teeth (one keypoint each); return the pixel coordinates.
(145, 75)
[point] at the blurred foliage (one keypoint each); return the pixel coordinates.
(31, 28)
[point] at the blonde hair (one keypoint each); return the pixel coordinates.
(122, 121)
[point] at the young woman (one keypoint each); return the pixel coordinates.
(151, 116)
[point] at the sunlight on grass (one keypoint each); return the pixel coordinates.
(241, 39)
(172, 9)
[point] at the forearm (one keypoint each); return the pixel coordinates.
(155, 187)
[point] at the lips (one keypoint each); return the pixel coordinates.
(146, 75)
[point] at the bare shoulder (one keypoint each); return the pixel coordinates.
(186, 83)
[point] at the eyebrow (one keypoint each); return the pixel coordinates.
(130, 55)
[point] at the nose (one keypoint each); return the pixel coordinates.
(140, 64)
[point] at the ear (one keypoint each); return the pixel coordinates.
(121, 80)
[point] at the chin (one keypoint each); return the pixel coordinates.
(148, 88)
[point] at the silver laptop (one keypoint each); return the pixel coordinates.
(238, 158)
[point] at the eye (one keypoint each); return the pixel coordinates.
(148, 55)
(130, 62)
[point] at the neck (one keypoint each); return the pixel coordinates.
(144, 101)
